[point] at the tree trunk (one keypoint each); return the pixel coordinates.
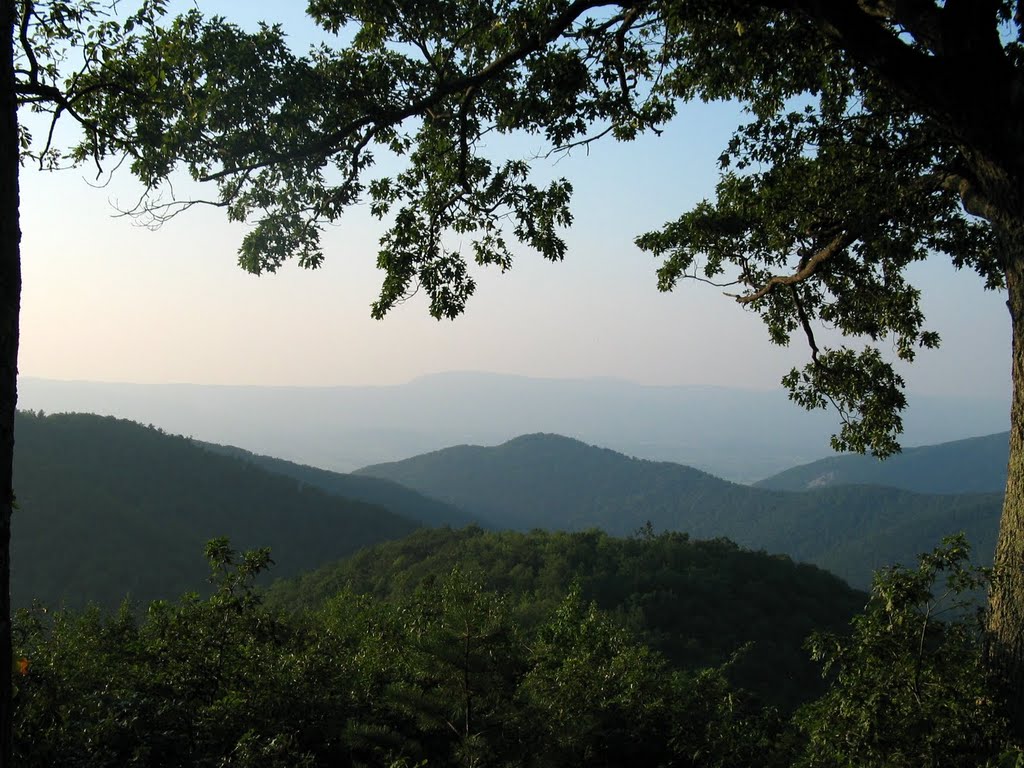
(10, 306)
(1006, 621)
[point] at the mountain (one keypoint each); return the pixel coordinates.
(698, 602)
(342, 428)
(553, 482)
(394, 497)
(974, 465)
(108, 507)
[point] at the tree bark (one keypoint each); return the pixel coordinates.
(10, 307)
(1006, 620)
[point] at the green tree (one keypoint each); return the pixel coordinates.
(595, 696)
(880, 133)
(56, 57)
(219, 681)
(600, 698)
(464, 655)
(909, 685)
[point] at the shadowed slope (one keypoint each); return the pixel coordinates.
(108, 507)
(553, 482)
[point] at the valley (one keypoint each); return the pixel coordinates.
(677, 583)
(109, 508)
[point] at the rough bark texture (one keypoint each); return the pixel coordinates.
(1006, 622)
(10, 304)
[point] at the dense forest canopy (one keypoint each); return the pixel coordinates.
(110, 508)
(696, 602)
(451, 672)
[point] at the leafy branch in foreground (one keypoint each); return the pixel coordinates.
(910, 684)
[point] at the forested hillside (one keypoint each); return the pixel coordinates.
(553, 482)
(107, 508)
(697, 602)
(442, 669)
(974, 465)
(448, 646)
(392, 496)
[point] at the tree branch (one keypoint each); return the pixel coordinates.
(586, 141)
(918, 17)
(805, 323)
(27, 11)
(968, 97)
(837, 244)
(969, 28)
(467, 85)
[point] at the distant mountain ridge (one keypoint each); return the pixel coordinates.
(973, 465)
(107, 507)
(552, 482)
(342, 428)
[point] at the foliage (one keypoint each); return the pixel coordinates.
(448, 674)
(601, 699)
(72, 55)
(695, 602)
(910, 685)
(192, 683)
(444, 677)
(852, 167)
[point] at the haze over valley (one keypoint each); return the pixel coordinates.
(736, 434)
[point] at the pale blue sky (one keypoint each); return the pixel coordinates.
(106, 300)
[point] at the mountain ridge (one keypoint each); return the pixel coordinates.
(396, 498)
(553, 482)
(971, 465)
(343, 428)
(108, 507)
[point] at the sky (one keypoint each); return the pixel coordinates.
(108, 300)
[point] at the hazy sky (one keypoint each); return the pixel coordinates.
(106, 300)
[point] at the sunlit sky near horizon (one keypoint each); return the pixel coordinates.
(108, 300)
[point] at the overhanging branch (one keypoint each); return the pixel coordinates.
(918, 17)
(805, 323)
(466, 85)
(837, 244)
